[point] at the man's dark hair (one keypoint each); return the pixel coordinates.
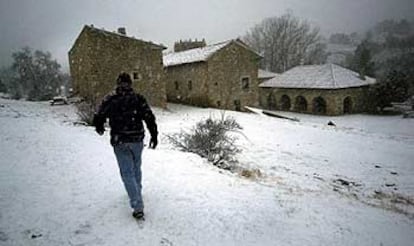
(124, 78)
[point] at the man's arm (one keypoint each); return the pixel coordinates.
(149, 119)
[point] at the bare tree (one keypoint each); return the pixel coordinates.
(38, 75)
(286, 42)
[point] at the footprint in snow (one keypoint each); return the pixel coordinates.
(83, 229)
(165, 241)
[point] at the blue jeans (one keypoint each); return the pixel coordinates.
(129, 161)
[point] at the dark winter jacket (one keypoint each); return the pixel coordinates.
(126, 110)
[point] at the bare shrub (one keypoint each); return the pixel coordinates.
(211, 139)
(86, 111)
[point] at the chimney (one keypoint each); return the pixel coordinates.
(122, 30)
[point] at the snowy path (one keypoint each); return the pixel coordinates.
(60, 185)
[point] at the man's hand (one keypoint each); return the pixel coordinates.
(100, 131)
(153, 142)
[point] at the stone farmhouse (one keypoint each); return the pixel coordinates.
(320, 89)
(223, 75)
(98, 56)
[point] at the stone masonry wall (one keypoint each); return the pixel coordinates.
(192, 93)
(98, 57)
(80, 66)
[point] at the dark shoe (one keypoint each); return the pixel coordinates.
(138, 214)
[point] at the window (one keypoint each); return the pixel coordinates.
(177, 86)
(245, 83)
(135, 75)
(190, 85)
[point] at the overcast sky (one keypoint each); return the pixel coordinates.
(53, 25)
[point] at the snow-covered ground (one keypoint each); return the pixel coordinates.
(318, 185)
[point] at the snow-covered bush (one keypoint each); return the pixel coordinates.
(213, 139)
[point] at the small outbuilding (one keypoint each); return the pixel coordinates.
(326, 89)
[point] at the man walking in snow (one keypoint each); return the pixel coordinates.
(126, 110)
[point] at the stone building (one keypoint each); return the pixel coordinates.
(320, 89)
(98, 56)
(223, 75)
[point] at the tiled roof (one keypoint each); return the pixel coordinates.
(327, 76)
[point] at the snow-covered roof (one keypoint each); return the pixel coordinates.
(327, 76)
(192, 55)
(263, 74)
(198, 54)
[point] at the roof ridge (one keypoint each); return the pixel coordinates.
(193, 55)
(92, 27)
(335, 84)
(200, 53)
(201, 48)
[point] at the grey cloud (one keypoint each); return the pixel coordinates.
(54, 25)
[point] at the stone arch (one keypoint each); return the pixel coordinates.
(285, 102)
(301, 105)
(348, 105)
(319, 105)
(271, 101)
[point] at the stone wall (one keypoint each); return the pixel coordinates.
(187, 84)
(336, 100)
(98, 56)
(227, 70)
